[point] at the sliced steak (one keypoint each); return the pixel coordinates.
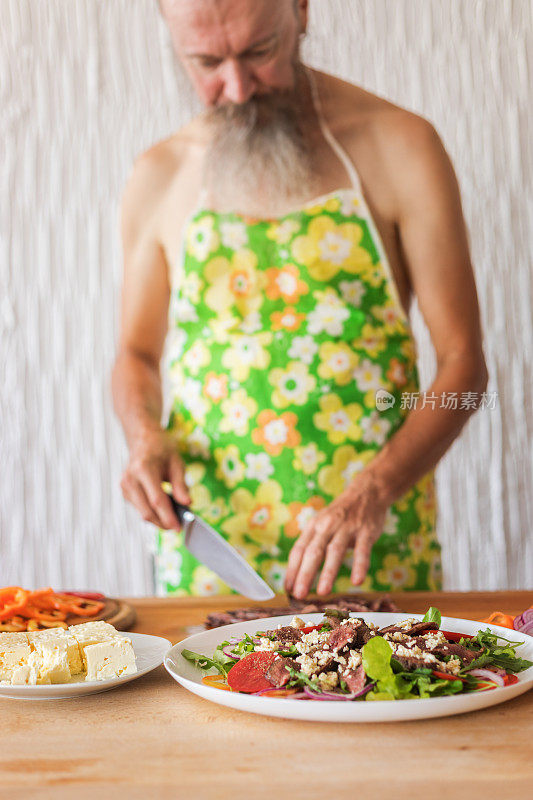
(287, 635)
(411, 662)
(422, 627)
(455, 650)
(351, 633)
(365, 633)
(354, 679)
(278, 673)
(391, 629)
(416, 629)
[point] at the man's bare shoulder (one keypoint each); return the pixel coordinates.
(155, 172)
(404, 148)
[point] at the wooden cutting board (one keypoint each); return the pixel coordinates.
(117, 612)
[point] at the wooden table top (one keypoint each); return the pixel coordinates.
(152, 739)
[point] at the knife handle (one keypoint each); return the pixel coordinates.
(179, 509)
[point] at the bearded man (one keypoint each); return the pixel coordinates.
(279, 239)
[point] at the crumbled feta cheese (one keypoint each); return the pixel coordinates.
(328, 680)
(354, 659)
(396, 636)
(311, 640)
(322, 658)
(266, 644)
(453, 666)
(298, 623)
(406, 624)
(308, 665)
(354, 622)
(409, 652)
(433, 639)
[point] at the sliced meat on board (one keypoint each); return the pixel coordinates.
(347, 602)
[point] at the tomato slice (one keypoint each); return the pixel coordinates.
(248, 674)
(453, 636)
(446, 677)
(510, 679)
(311, 628)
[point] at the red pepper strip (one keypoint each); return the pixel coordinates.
(10, 609)
(87, 595)
(510, 679)
(47, 615)
(78, 606)
(310, 628)
(452, 636)
(483, 687)
(499, 618)
(446, 677)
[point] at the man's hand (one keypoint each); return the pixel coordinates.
(153, 459)
(354, 519)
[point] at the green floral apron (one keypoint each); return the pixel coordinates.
(281, 332)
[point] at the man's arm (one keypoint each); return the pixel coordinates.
(136, 379)
(434, 240)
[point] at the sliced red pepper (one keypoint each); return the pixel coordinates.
(87, 595)
(483, 686)
(311, 628)
(248, 674)
(453, 636)
(499, 618)
(446, 676)
(15, 601)
(510, 679)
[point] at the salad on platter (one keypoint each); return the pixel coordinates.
(345, 658)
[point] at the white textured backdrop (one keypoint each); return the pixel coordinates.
(86, 85)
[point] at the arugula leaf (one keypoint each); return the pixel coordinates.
(298, 678)
(246, 645)
(292, 651)
(220, 661)
(432, 615)
(491, 653)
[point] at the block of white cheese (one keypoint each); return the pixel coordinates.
(73, 651)
(90, 651)
(14, 652)
(89, 633)
(110, 658)
(50, 655)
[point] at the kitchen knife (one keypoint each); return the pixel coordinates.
(213, 550)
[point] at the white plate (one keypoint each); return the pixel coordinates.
(149, 654)
(190, 677)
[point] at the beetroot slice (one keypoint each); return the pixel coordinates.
(248, 674)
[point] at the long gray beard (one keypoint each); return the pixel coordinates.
(259, 162)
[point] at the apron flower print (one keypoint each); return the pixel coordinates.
(287, 328)
(281, 331)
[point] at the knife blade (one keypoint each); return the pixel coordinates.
(215, 552)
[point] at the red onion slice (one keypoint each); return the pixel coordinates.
(524, 622)
(227, 652)
(334, 696)
(487, 674)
